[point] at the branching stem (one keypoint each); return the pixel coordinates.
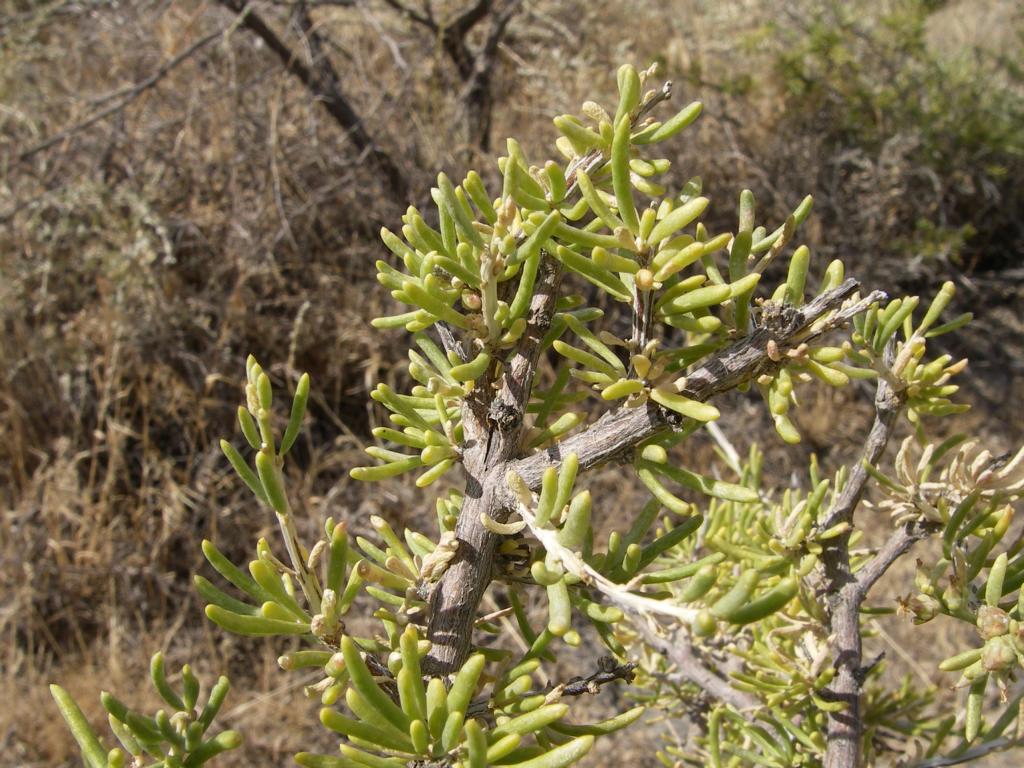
(493, 430)
(845, 591)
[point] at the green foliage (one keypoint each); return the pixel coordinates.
(731, 567)
(977, 578)
(167, 740)
(874, 83)
(783, 659)
(902, 85)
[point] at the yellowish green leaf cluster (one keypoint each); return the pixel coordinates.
(967, 493)
(728, 569)
(169, 739)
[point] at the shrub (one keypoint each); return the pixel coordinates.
(718, 600)
(941, 131)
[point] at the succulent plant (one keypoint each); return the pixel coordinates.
(720, 601)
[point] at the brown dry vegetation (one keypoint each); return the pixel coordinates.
(223, 211)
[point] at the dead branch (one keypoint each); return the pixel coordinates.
(323, 82)
(475, 68)
(131, 93)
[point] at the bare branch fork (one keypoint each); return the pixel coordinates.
(476, 69)
(494, 421)
(323, 82)
(846, 591)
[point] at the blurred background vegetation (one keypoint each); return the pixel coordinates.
(183, 182)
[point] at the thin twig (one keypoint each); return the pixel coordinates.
(131, 93)
(988, 748)
(690, 668)
(609, 672)
(900, 650)
(893, 549)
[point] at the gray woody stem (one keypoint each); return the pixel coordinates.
(691, 668)
(493, 428)
(618, 431)
(494, 423)
(893, 549)
(845, 592)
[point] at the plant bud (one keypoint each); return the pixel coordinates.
(645, 280)
(655, 453)
(703, 624)
(924, 608)
(252, 400)
(641, 364)
(998, 654)
(595, 111)
(992, 622)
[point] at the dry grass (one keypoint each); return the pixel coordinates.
(222, 212)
